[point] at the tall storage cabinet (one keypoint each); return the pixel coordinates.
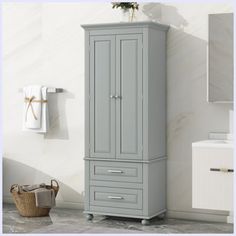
(125, 119)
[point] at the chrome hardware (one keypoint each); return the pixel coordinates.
(115, 197)
(112, 96)
(115, 171)
(117, 96)
(222, 170)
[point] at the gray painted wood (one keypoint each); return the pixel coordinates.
(86, 184)
(102, 86)
(136, 147)
(117, 211)
(118, 184)
(116, 197)
(156, 187)
(129, 88)
(157, 94)
(126, 25)
(87, 94)
(108, 171)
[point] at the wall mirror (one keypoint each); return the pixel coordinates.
(220, 58)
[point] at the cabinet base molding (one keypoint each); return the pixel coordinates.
(123, 215)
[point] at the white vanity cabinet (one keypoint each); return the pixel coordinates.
(212, 175)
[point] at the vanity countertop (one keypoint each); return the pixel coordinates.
(214, 143)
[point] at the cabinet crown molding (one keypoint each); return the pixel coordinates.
(138, 24)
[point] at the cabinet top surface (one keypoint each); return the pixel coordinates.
(116, 25)
(214, 144)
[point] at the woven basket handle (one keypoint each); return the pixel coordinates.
(15, 186)
(53, 180)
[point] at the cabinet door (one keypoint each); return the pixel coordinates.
(129, 90)
(102, 106)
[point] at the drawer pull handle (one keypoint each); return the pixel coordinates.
(222, 169)
(115, 171)
(115, 197)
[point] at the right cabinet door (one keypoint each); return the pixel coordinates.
(129, 63)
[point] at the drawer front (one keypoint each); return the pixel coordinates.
(116, 197)
(116, 171)
(213, 179)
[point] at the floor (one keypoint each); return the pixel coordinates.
(73, 221)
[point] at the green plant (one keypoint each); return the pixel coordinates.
(125, 5)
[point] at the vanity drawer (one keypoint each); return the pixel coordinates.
(116, 171)
(116, 197)
(213, 178)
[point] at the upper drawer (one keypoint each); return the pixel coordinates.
(116, 171)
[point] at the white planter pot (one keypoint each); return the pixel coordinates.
(124, 15)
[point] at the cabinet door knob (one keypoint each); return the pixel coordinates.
(112, 96)
(117, 96)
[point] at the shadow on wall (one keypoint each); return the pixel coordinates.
(18, 173)
(165, 14)
(187, 108)
(58, 128)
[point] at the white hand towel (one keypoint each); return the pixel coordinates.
(35, 117)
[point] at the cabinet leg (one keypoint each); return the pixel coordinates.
(89, 216)
(145, 222)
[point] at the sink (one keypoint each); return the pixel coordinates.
(218, 141)
(214, 143)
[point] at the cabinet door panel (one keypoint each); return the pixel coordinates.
(102, 107)
(129, 88)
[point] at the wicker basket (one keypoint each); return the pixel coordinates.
(25, 201)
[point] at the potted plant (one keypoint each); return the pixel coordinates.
(128, 9)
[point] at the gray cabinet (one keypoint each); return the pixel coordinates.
(125, 119)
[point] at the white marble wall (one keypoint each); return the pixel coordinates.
(43, 43)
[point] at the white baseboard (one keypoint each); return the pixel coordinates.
(59, 203)
(187, 215)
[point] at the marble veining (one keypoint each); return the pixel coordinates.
(74, 221)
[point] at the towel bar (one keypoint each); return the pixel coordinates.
(50, 90)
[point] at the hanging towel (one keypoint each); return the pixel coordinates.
(35, 115)
(45, 198)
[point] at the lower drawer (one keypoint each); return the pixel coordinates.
(116, 197)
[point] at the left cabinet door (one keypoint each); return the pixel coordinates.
(102, 88)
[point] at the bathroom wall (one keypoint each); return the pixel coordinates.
(44, 44)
